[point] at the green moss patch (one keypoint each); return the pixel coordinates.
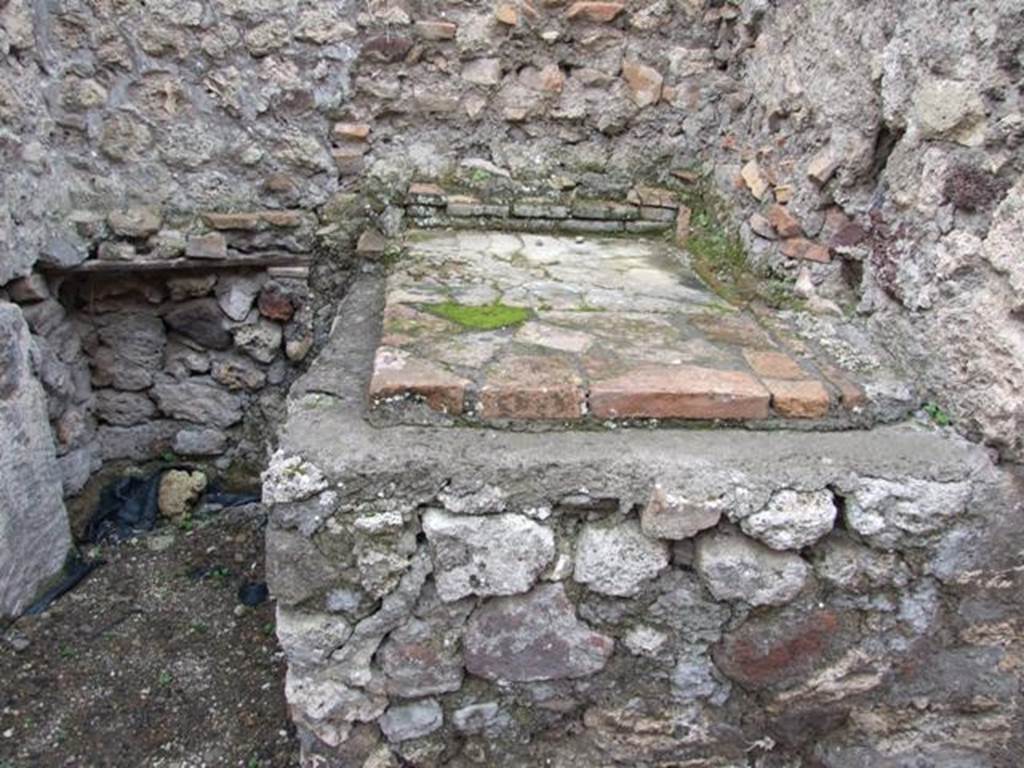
(719, 258)
(488, 317)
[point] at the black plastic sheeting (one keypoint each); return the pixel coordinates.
(74, 573)
(129, 506)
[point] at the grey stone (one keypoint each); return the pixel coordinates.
(236, 372)
(77, 466)
(792, 519)
(905, 513)
(211, 246)
(421, 659)
(949, 109)
(485, 719)
(202, 321)
(307, 516)
(137, 442)
(182, 288)
(486, 555)
(64, 251)
(132, 350)
(642, 640)
(327, 706)
(411, 721)
(123, 408)
(296, 568)
(199, 400)
(482, 71)
(200, 442)
(853, 567)
(618, 560)
(34, 533)
(671, 515)
(236, 295)
(684, 607)
(29, 289)
(111, 250)
(310, 638)
(260, 340)
(533, 637)
(135, 222)
(737, 568)
(694, 678)
(43, 317)
(167, 244)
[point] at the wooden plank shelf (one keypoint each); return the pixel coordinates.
(237, 261)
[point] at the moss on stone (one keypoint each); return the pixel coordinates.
(719, 257)
(487, 317)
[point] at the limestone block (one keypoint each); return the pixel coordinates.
(486, 555)
(618, 560)
(34, 532)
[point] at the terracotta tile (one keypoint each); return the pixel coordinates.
(851, 394)
(532, 387)
(733, 329)
(799, 399)
(773, 365)
(396, 374)
(680, 392)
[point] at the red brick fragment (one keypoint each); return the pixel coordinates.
(532, 387)
(680, 392)
(395, 374)
(799, 399)
(600, 13)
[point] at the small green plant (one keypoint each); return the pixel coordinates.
(199, 627)
(718, 255)
(938, 416)
(488, 317)
(165, 679)
(220, 574)
(67, 652)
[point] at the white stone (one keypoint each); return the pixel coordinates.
(891, 514)
(235, 296)
(792, 519)
(738, 568)
(618, 560)
(671, 515)
(493, 555)
(310, 638)
(291, 478)
(412, 721)
(642, 640)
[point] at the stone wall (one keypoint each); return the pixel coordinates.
(871, 150)
(894, 131)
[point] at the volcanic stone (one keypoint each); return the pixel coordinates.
(533, 637)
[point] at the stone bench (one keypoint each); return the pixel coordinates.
(454, 593)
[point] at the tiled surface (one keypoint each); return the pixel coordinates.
(614, 329)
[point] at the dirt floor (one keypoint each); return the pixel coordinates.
(152, 661)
